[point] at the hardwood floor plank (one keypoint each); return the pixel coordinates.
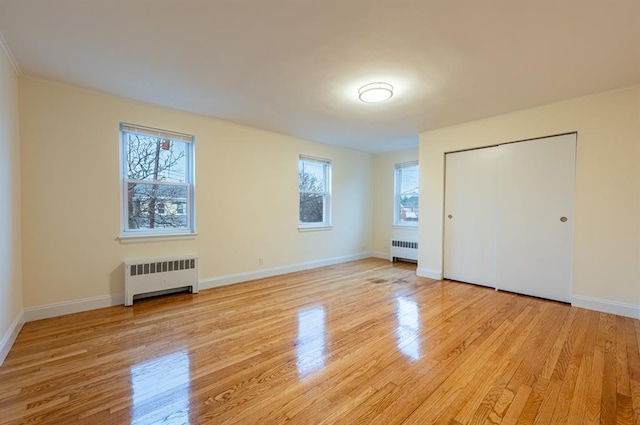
(483, 401)
(532, 357)
(515, 409)
(577, 359)
(623, 381)
(468, 372)
(530, 411)
(608, 406)
(633, 357)
(361, 342)
(559, 342)
(584, 361)
(424, 380)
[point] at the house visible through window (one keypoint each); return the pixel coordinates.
(314, 183)
(157, 181)
(406, 211)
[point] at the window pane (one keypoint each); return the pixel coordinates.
(311, 176)
(156, 206)
(311, 208)
(153, 158)
(407, 196)
(409, 209)
(409, 180)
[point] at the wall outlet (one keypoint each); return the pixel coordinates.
(261, 261)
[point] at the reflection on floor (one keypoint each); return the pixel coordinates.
(366, 342)
(408, 330)
(161, 390)
(311, 342)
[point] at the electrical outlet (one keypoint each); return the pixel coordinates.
(261, 261)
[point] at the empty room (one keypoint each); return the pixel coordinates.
(355, 212)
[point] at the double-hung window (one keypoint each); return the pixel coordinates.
(406, 198)
(314, 183)
(158, 194)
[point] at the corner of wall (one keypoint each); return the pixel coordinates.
(429, 273)
(11, 277)
(10, 336)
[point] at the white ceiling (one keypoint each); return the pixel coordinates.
(294, 66)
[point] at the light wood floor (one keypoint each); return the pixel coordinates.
(364, 342)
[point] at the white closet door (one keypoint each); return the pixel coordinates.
(535, 217)
(469, 217)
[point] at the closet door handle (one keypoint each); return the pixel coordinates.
(563, 219)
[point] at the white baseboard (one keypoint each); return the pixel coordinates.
(73, 306)
(606, 306)
(10, 336)
(229, 279)
(430, 273)
(86, 304)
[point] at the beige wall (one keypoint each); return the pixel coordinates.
(10, 258)
(383, 182)
(246, 182)
(607, 216)
(247, 193)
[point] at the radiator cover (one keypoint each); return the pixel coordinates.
(403, 250)
(152, 275)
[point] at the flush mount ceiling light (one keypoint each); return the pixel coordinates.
(375, 92)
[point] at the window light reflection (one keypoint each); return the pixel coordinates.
(161, 390)
(311, 340)
(407, 332)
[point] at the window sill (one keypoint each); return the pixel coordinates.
(406, 226)
(314, 228)
(125, 239)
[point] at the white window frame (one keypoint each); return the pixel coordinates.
(326, 194)
(190, 206)
(397, 194)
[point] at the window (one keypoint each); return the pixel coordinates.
(406, 194)
(314, 183)
(157, 182)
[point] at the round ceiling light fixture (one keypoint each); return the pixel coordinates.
(375, 92)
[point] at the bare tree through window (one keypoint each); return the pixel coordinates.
(407, 194)
(313, 184)
(311, 198)
(157, 182)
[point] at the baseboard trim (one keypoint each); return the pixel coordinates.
(230, 279)
(430, 273)
(10, 336)
(76, 306)
(69, 307)
(606, 306)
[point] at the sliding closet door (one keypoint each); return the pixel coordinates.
(535, 217)
(469, 222)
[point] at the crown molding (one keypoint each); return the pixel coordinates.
(10, 57)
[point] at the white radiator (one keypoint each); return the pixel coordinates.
(404, 250)
(141, 277)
